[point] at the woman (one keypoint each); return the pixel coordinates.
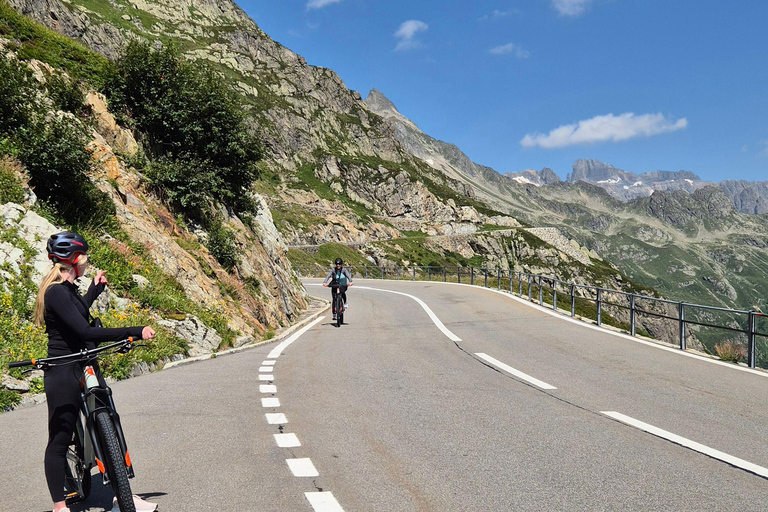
(65, 315)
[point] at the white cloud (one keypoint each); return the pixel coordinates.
(604, 128)
(510, 48)
(406, 34)
(570, 7)
(319, 4)
(496, 14)
(764, 144)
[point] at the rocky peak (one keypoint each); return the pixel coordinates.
(595, 171)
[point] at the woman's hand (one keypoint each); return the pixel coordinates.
(325, 284)
(148, 333)
(100, 279)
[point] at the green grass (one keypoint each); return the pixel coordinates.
(37, 42)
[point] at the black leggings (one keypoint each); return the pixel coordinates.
(343, 291)
(62, 392)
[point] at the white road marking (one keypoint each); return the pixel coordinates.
(264, 377)
(266, 369)
(270, 402)
(268, 388)
(279, 349)
(302, 467)
(287, 440)
(268, 363)
(516, 373)
(693, 445)
(426, 308)
(276, 418)
(323, 502)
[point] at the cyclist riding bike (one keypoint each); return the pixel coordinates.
(339, 276)
(65, 313)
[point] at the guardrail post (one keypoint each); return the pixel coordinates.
(383, 270)
(632, 314)
(398, 273)
(554, 294)
(472, 275)
(520, 282)
(599, 306)
(458, 274)
(485, 271)
(414, 273)
(498, 278)
(366, 271)
(681, 310)
(573, 300)
(429, 273)
(751, 340)
(443, 274)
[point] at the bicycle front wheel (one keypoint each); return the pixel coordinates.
(115, 462)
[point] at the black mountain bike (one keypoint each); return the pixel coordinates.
(338, 305)
(104, 444)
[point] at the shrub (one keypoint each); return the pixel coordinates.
(730, 351)
(193, 126)
(11, 183)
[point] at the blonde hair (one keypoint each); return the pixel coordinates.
(54, 277)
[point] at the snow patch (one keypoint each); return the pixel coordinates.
(637, 183)
(524, 180)
(611, 181)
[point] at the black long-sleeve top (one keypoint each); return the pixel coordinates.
(66, 321)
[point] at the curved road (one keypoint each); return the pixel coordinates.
(505, 408)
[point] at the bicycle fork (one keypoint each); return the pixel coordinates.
(93, 392)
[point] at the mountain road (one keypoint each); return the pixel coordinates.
(431, 397)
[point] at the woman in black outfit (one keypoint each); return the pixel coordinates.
(65, 315)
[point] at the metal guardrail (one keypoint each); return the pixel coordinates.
(688, 316)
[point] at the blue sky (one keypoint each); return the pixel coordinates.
(643, 85)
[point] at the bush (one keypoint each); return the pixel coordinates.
(193, 126)
(52, 147)
(11, 183)
(223, 245)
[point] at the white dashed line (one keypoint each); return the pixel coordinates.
(323, 502)
(268, 363)
(287, 440)
(693, 445)
(265, 377)
(516, 373)
(266, 369)
(268, 388)
(302, 467)
(270, 402)
(276, 418)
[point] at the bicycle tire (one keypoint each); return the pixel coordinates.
(77, 479)
(115, 464)
(339, 310)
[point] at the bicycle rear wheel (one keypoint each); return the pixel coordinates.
(115, 462)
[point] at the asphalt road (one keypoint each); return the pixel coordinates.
(394, 414)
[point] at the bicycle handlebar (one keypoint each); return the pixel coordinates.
(122, 345)
(331, 285)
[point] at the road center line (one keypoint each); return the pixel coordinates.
(323, 502)
(302, 467)
(516, 373)
(693, 445)
(282, 346)
(421, 303)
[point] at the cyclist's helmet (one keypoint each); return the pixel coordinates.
(65, 247)
(338, 261)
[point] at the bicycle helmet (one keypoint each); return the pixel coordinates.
(338, 261)
(65, 247)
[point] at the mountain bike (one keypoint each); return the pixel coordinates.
(98, 438)
(338, 305)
